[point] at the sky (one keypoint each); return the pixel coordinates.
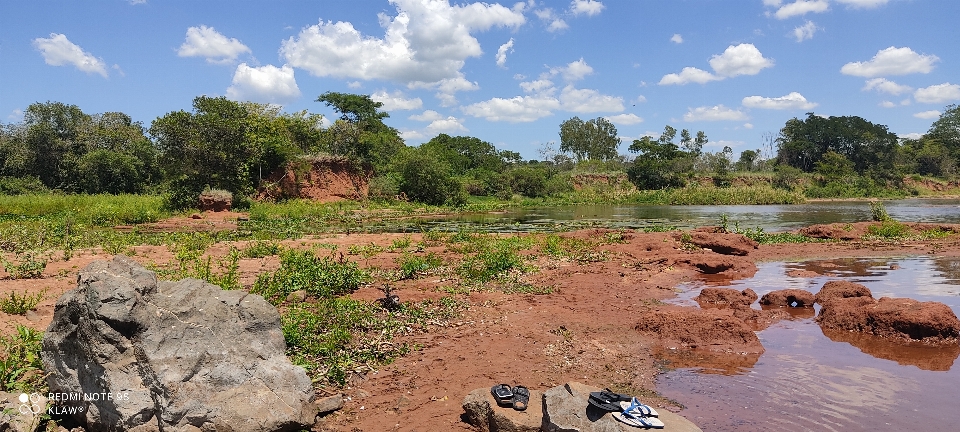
(508, 73)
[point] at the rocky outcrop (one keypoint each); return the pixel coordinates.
(788, 298)
(723, 243)
(171, 356)
(841, 289)
(726, 297)
(713, 263)
(562, 408)
(699, 328)
(834, 232)
(481, 410)
(896, 318)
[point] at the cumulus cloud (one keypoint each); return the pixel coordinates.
(887, 104)
(502, 52)
(447, 88)
(207, 42)
(801, 7)
(892, 61)
(446, 125)
(863, 4)
(354, 84)
(57, 50)
(625, 119)
(265, 84)
(714, 113)
(548, 15)
(805, 31)
(396, 101)
(938, 94)
(743, 59)
(792, 101)
(518, 109)
(588, 101)
(426, 116)
(586, 7)
(884, 85)
(911, 135)
(573, 71)
(689, 75)
(540, 86)
(427, 41)
(932, 114)
(676, 38)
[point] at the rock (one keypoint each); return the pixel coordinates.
(897, 318)
(196, 216)
(328, 404)
(31, 315)
(788, 298)
(723, 297)
(700, 328)
(723, 243)
(481, 410)
(297, 296)
(713, 263)
(566, 410)
(172, 356)
(828, 232)
(841, 289)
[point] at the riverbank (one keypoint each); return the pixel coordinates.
(536, 309)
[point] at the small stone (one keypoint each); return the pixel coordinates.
(329, 404)
(196, 216)
(32, 316)
(297, 296)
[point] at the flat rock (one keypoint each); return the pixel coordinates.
(841, 289)
(723, 243)
(895, 318)
(700, 328)
(481, 410)
(726, 297)
(565, 409)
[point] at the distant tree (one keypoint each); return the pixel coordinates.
(870, 147)
(747, 159)
(659, 163)
(591, 140)
(426, 179)
(946, 130)
(467, 153)
(360, 132)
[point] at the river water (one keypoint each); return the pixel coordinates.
(811, 379)
(771, 218)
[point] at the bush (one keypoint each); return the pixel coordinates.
(786, 177)
(19, 304)
(21, 368)
(427, 180)
(528, 181)
(21, 186)
(302, 270)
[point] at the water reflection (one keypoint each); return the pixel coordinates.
(931, 358)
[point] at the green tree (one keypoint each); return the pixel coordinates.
(205, 148)
(871, 147)
(464, 154)
(360, 132)
(747, 160)
(946, 130)
(659, 164)
(591, 140)
(426, 179)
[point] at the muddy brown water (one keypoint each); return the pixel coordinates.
(771, 218)
(808, 379)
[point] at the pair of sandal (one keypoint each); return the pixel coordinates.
(627, 409)
(511, 397)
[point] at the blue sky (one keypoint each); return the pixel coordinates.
(508, 73)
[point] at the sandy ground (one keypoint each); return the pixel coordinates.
(583, 330)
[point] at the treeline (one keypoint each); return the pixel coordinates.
(232, 146)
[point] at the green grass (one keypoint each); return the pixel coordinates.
(261, 249)
(21, 369)
(19, 304)
(26, 265)
(889, 229)
(320, 277)
(412, 266)
(96, 210)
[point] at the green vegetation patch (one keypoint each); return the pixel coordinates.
(21, 369)
(320, 277)
(19, 304)
(412, 266)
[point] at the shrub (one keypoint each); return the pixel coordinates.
(21, 368)
(302, 270)
(889, 229)
(21, 186)
(528, 181)
(19, 304)
(879, 212)
(427, 180)
(786, 177)
(412, 266)
(30, 266)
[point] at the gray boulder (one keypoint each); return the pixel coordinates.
(128, 353)
(481, 410)
(566, 410)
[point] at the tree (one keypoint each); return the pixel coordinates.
(591, 140)
(871, 147)
(205, 148)
(426, 179)
(360, 132)
(747, 160)
(467, 153)
(946, 130)
(658, 164)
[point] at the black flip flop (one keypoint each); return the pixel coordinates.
(607, 400)
(521, 398)
(502, 394)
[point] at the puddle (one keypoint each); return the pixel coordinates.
(811, 379)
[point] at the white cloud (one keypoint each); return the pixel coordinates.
(863, 4)
(426, 116)
(748, 125)
(625, 119)
(57, 50)
(891, 61)
(15, 116)
(689, 75)
(265, 84)
(447, 88)
(206, 42)
(446, 125)
(714, 113)
(743, 59)
(773, 3)
(884, 85)
(556, 23)
(887, 104)
(425, 42)
(573, 71)
(911, 135)
(940, 93)
(587, 7)
(676, 38)
(411, 135)
(641, 99)
(588, 101)
(354, 84)
(805, 31)
(502, 52)
(905, 102)
(541, 86)
(396, 101)
(932, 114)
(792, 101)
(802, 7)
(518, 109)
